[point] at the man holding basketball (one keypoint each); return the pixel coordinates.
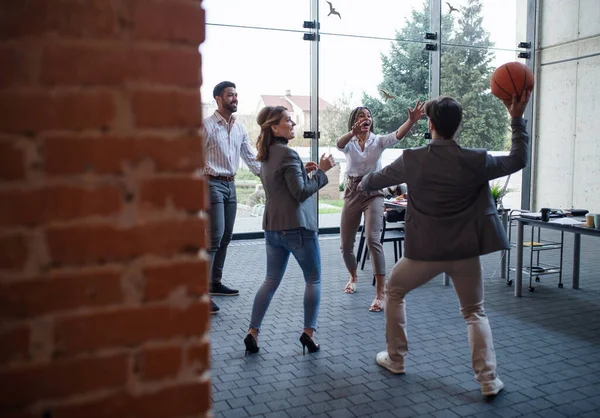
(451, 220)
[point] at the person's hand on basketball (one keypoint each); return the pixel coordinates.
(516, 107)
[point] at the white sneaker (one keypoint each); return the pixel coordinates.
(384, 360)
(491, 388)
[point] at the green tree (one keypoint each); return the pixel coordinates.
(333, 121)
(466, 68)
(466, 71)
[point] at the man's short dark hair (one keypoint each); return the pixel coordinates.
(446, 114)
(218, 90)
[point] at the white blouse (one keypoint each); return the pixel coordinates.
(360, 163)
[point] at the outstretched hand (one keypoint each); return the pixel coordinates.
(417, 113)
(326, 162)
(516, 107)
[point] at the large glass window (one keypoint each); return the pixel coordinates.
(370, 54)
(264, 55)
(373, 56)
(477, 37)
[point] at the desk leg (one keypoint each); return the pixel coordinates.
(576, 256)
(503, 253)
(519, 272)
(445, 279)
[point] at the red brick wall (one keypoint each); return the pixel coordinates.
(104, 309)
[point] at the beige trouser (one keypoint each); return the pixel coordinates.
(409, 274)
(355, 203)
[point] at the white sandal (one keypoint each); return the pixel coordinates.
(376, 306)
(350, 286)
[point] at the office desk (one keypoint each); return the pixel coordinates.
(576, 230)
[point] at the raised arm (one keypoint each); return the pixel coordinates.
(517, 158)
(413, 117)
(343, 140)
(391, 175)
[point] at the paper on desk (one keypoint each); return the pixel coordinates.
(566, 221)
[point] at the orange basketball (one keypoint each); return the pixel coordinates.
(512, 77)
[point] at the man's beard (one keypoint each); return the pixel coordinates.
(231, 107)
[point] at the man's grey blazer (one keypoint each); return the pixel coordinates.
(451, 214)
(290, 194)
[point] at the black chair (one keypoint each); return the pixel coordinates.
(393, 231)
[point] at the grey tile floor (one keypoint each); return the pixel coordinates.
(547, 343)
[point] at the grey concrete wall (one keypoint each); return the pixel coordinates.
(566, 159)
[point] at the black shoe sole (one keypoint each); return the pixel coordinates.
(224, 294)
(214, 312)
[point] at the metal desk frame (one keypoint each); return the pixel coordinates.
(576, 230)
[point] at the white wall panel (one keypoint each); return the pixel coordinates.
(586, 190)
(589, 18)
(555, 135)
(566, 171)
(559, 21)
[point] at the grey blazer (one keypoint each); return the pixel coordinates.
(289, 192)
(451, 214)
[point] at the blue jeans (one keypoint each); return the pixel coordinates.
(223, 208)
(304, 245)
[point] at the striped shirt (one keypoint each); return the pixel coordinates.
(359, 162)
(225, 144)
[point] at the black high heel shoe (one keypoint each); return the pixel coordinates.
(308, 342)
(251, 346)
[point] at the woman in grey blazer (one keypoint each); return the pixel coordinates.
(289, 220)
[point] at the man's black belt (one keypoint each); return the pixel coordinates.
(222, 178)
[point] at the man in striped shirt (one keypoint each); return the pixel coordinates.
(226, 142)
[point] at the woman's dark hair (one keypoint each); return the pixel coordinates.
(218, 90)
(445, 114)
(354, 114)
(267, 117)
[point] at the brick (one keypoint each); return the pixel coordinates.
(67, 18)
(160, 363)
(10, 70)
(179, 67)
(12, 161)
(85, 65)
(154, 20)
(114, 65)
(13, 251)
(61, 291)
(101, 155)
(19, 413)
(129, 327)
(187, 193)
(162, 109)
(33, 383)
(198, 357)
(177, 401)
(27, 111)
(97, 243)
(109, 155)
(56, 203)
(183, 154)
(164, 279)
(14, 343)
